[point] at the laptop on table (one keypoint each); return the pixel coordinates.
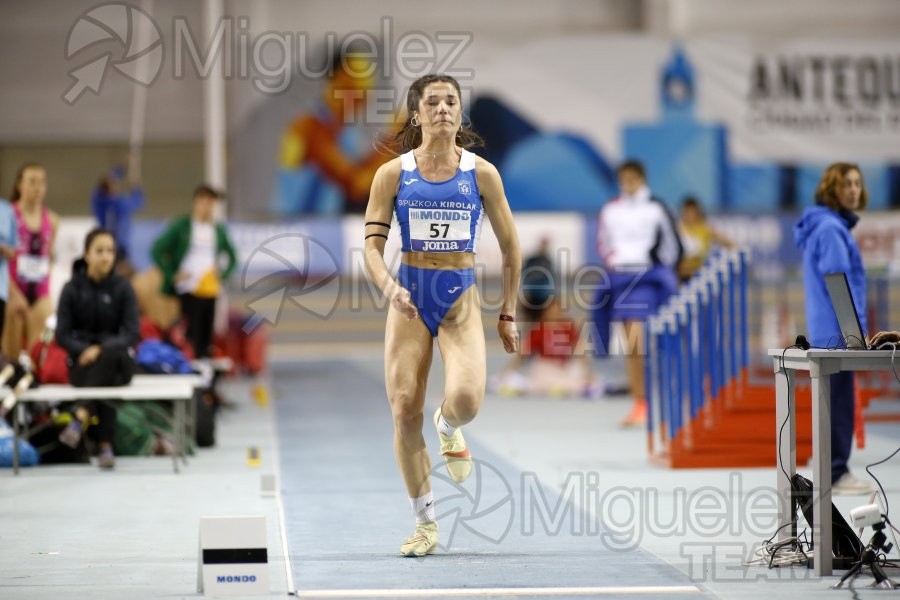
(845, 311)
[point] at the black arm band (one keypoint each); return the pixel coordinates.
(388, 225)
(376, 235)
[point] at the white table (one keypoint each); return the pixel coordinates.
(820, 364)
(180, 391)
(195, 380)
(219, 364)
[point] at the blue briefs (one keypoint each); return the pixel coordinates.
(638, 294)
(434, 291)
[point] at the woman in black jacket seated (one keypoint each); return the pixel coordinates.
(97, 324)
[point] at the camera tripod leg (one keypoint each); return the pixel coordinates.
(881, 578)
(852, 572)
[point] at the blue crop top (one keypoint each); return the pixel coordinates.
(440, 216)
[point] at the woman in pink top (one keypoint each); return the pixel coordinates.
(29, 272)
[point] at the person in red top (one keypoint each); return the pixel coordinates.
(29, 291)
(558, 363)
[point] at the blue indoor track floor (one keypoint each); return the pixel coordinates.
(347, 510)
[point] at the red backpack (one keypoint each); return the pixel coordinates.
(49, 362)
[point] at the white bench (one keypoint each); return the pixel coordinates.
(177, 388)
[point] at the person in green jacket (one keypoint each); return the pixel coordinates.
(190, 255)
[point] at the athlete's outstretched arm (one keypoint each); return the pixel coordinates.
(378, 219)
(497, 208)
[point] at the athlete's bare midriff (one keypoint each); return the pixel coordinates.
(439, 260)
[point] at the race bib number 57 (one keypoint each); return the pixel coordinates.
(439, 230)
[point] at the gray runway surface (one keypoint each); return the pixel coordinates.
(76, 532)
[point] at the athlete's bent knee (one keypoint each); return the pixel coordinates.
(463, 404)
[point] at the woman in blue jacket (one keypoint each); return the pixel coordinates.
(823, 233)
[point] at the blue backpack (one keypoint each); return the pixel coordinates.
(28, 456)
(156, 356)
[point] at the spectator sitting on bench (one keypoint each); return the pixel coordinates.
(97, 324)
(560, 364)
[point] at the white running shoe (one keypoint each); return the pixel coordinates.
(848, 485)
(422, 542)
